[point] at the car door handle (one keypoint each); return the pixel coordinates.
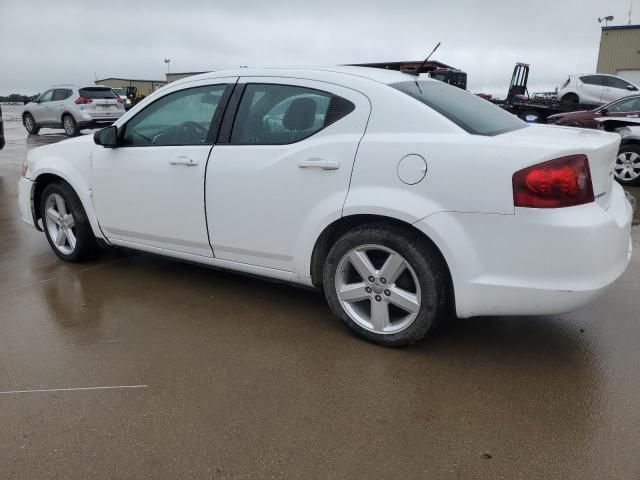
(319, 163)
(186, 161)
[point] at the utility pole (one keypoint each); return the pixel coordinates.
(168, 62)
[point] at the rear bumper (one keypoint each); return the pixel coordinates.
(535, 262)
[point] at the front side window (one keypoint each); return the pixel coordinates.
(46, 96)
(614, 82)
(470, 112)
(271, 114)
(180, 118)
(626, 105)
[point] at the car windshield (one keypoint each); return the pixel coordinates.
(470, 112)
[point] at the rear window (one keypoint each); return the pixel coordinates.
(97, 93)
(470, 112)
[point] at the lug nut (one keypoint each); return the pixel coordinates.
(383, 280)
(368, 289)
(387, 293)
(378, 298)
(371, 279)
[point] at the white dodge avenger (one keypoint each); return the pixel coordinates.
(403, 198)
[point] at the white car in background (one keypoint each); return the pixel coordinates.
(594, 89)
(401, 197)
(72, 108)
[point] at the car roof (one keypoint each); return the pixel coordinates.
(336, 73)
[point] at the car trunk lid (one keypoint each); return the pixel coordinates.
(104, 101)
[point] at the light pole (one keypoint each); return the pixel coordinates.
(168, 62)
(606, 20)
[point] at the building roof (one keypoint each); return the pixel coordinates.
(188, 73)
(131, 80)
(621, 27)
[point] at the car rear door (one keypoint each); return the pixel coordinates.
(281, 169)
(149, 191)
(590, 89)
(57, 105)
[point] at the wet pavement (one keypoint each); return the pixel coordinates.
(240, 378)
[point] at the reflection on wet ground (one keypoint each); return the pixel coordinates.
(250, 379)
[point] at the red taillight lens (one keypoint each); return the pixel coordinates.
(83, 100)
(120, 100)
(563, 182)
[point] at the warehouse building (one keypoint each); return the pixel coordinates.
(145, 87)
(620, 52)
(172, 77)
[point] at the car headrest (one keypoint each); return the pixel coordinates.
(301, 114)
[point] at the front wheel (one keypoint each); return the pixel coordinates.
(627, 167)
(388, 285)
(66, 225)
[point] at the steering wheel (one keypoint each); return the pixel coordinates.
(193, 130)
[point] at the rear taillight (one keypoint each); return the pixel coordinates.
(566, 83)
(563, 182)
(83, 100)
(120, 100)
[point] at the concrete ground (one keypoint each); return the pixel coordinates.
(235, 378)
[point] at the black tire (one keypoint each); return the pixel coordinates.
(627, 150)
(70, 125)
(425, 261)
(86, 246)
(570, 99)
(30, 124)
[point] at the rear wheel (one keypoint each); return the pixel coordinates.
(70, 126)
(570, 99)
(30, 124)
(627, 167)
(386, 284)
(66, 225)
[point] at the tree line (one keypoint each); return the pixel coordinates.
(16, 97)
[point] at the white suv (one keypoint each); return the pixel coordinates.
(594, 89)
(73, 108)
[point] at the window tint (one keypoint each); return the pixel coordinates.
(280, 114)
(614, 82)
(180, 118)
(626, 105)
(61, 94)
(598, 80)
(470, 112)
(97, 93)
(46, 96)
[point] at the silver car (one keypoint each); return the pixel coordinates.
(73, 108)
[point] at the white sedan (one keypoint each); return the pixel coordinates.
(401, 197)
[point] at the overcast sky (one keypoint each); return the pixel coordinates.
(50, 42)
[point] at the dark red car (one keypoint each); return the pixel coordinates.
(623, 107)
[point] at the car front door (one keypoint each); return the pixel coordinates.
(616, 88)
(40, 111)
(149, 190)
(590, 88)
(283, 169)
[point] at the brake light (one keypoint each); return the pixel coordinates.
(563, 182)
(120, 100)
(83, 100)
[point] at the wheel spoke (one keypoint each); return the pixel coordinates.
(392, 268)
(60, 237)
(62, 208)
(53, 215)
(407, 301)
(379, 315)
(362, 264)
(353, 292)
(71, 238)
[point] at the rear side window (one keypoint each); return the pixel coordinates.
(470, 112)
(61, 94)
(97, 93)
(598, 80)
(271, 114)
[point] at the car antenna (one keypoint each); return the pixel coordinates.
(416, 71)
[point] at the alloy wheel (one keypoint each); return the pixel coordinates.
(69, 126)
(378, 289)
(28, 123)
(60, 224)
(627, 166)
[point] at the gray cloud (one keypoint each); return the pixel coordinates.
(45, 43)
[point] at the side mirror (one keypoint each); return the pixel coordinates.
(107, 137)
(632, 88)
